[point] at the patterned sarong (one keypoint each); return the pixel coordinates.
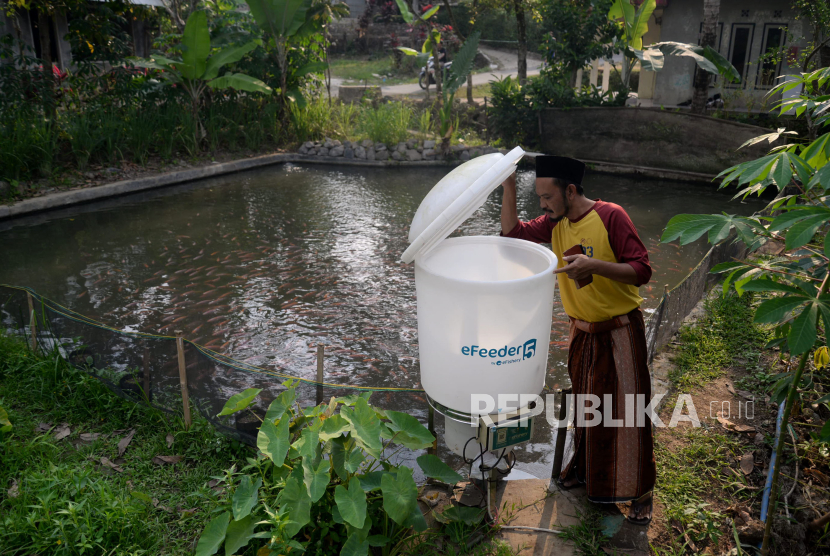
(616, 463)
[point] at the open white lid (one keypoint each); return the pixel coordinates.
(455, 198)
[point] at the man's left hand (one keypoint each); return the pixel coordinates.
(579, 267)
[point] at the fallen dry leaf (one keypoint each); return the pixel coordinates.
(747, 463)
(170, 440)
(44, 427)
(730, 388)
(106, 462)
(62, 431)
(14, 490)
(161, 460)
(727, 424)
(188, 512)
(744, 428)
(745, 394)
(124, 442)
(90, 436)
(817, 476)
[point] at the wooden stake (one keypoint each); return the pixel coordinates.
(183, 380)
(32, 321)
(146, 374)
(665, 290)
(319, 374)
(431, 426)
(561, 433)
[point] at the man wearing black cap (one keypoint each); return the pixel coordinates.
(602, 263)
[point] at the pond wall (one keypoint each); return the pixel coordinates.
(649, 137)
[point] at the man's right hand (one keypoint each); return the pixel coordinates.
(509, 216)
(510, 182)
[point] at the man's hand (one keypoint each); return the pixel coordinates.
(510, 182)
(509, 216)
(579, 267)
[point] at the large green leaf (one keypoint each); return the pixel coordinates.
(311, 67)
(409, 431)
(295, 498)
(706, 58)
(408, 17)
(5, 423)
(333, 427)
(239, 534)
(239, 401)
(767, 285)
(416, 520)
(195, 46)
(773, 311)
(351, 502)
(245, 497)
(365, 426)
(801, 233)
(639, 27)
(355, 545)
(817, 153)
(273, 440)
(463, 63)
(240, 82)
(316, 477)
(227, 55)
(282, 18)
(345, 459)
(281, 404)
(400, 494)
(689, 227)
(309, 443)
(437, 469)
(213, 535)
(461, 514)
(803, 332)
(372, 481)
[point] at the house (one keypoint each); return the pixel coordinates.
(746, 30)
(23, 25)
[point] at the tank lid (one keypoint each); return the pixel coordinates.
(455, 198)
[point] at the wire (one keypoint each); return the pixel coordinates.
(514, 527)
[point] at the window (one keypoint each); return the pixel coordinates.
(775, 35)
(739, 47)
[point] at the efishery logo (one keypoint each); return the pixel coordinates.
(526, 350)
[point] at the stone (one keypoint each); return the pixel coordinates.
(380, 147)
(420, 149)
(412, 155)
(317, 144)
(465, 155)
(5, 189)
(429, 145)
(401, 148)
(347, 144)
(430, 157)
(336, 143)
(380, 155)
(360, 153)
(411, 144)
(113, 170)
(323, 151)
(488, 149)
(328, 143)
(458, 148)
(308, 145)
(337, 151)
(366, 143)
(303, 150)
(428, 152)
(312, 151)
(349, 153)
(475, 153)
(396, 155)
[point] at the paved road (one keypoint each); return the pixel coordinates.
(506, 63)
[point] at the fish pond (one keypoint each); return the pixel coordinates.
(264, 266)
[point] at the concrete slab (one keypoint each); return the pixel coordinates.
(529, 503)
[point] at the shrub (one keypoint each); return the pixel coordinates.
(387, 124)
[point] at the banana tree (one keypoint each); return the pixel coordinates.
(634, 25)
(796, 280)
(453, 79)
(430, 44)
(282, 21)
(198, 69)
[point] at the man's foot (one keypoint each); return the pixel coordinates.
(568, 483)
(642, 510)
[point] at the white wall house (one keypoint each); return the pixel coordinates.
(746, 30)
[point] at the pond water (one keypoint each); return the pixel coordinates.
(265, 265)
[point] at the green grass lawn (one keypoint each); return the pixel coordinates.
(57, 497)
(367, 69)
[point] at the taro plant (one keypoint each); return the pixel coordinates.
(323, 482)
(795, 280)
(198, 69)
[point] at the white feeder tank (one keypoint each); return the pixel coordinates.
(484, 304)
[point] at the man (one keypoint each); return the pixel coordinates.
(607, 348)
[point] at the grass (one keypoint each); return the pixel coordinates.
(587, 535)
(723, 336)
(375, 71)
(55, 498)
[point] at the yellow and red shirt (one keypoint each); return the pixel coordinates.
(606, 233)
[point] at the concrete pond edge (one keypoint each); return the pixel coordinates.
(54, 201)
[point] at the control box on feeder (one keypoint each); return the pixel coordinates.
(508, 430)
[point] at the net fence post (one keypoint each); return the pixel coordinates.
(433, 449)
(183, 379)
(561, 432)
(320, 350)
(32, 321)
(145, 361)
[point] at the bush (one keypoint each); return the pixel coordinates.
(387, 124)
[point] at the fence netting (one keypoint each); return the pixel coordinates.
(144, 367)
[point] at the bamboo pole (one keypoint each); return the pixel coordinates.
(145, 361)
(32, 321)
(183, 379)
(319, 373)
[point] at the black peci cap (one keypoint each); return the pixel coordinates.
(570, 170)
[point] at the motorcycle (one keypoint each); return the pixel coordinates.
(422, 77)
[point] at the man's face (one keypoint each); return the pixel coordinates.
(552, 199)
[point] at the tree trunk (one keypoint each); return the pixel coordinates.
(43, 25)
(457, 31)
(519, 8)
(711, 12)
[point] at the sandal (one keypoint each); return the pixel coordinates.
(562, 486)
(642, 521)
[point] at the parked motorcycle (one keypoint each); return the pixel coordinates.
(422, 77)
